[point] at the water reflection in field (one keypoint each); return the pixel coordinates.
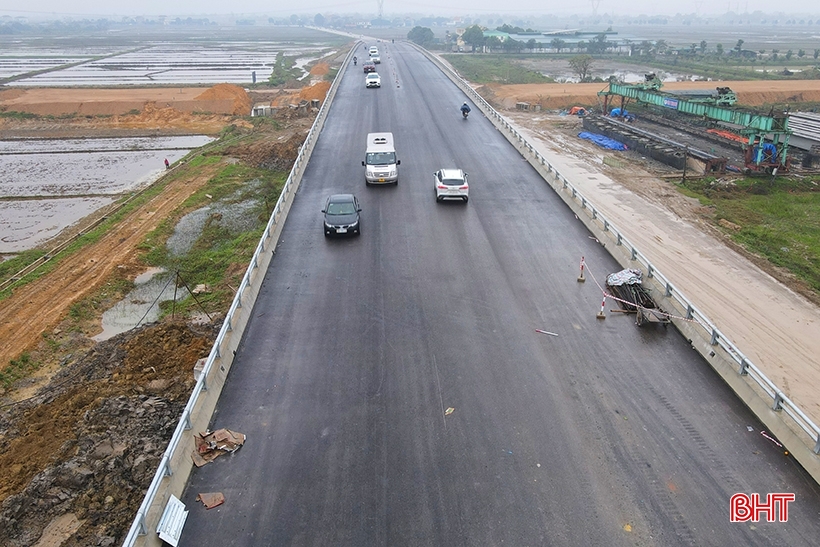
(48, 185)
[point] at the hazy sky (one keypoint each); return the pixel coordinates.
(453, 7)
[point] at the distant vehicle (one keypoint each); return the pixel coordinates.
(372, 80)
(374, 50)
(451, 184)
(380, 163)
(375, 59)
(342, 215)
(368, 67)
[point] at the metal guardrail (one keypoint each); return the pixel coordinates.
(745, 367)
(140, 526)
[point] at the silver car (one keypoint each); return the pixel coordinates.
(451, 184)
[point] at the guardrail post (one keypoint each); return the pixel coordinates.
(689, 311)
(744, 365)
(141, 527)
(573, 190)
(619, 242)
(668, 289)
(583, 203)
(634, 253)
(166, 467)
(714, 339)
(817, 446)
(606, 225)
(650, 272)
(778, 399)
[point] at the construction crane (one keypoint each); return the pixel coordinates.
(767, 136)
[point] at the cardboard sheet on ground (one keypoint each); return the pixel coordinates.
(211, 499)
(212, 444)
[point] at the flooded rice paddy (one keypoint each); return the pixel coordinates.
(156, 64)
(46, 185)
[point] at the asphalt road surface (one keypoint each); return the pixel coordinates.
(394, 391)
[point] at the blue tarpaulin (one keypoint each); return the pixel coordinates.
(602, 141)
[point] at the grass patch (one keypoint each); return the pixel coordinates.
(778, 219)
(500, 69)
(19, 115)
(219, 256)
(16, 369)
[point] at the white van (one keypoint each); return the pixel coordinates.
(380, 163)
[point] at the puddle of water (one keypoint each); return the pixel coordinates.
(141, 305)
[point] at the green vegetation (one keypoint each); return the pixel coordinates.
(423, 36)
(503, 69)
(220, 255)
(16, 369)
(284, 70)
(18, 115)
(778, 219)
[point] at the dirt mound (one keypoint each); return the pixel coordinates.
(316, 91)
(320, 69)
(241, 100)
(89, 444)
(308, 93)
(278, 156)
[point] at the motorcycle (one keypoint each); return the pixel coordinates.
(464, 113)
(354, 61)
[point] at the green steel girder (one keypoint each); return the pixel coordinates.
(746, 119)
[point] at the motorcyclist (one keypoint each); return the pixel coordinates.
(354, 60)
(465, 109)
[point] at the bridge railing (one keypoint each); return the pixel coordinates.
(175, 464)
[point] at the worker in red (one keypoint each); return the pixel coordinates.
(167, 164)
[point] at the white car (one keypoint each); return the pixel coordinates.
(372, 80)
(375, 59)
(451, 184)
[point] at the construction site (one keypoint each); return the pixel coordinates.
(69, 461)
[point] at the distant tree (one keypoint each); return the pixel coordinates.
(492, 43)
(512, 46)
(789, 55)
(532, 44)
(581, 65)
(598, 44)
(702, 47)
(319, 20)
(816, 53)
(473, 36)
(423, 36)
(558, 44)
(801, 53)
(661, 46)
(719, 49)
(739, 46)
(693, 49)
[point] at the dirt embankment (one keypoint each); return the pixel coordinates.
(77, 455)
(558, 96)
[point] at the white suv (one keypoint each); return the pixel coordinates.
(372, 80)
(451, 184)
